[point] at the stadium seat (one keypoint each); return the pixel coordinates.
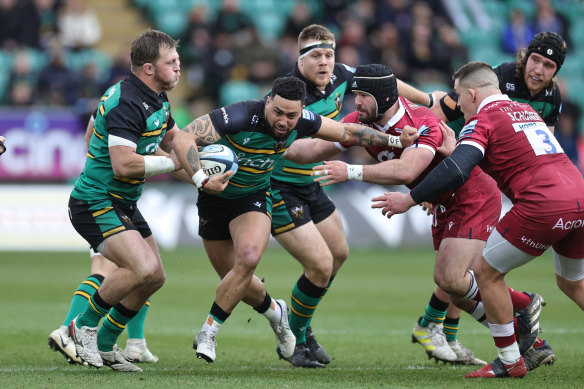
(234, 90)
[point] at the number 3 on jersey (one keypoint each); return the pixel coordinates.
(540, 137)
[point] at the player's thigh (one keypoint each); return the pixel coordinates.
(100, 264)
(502, 256)
(570, 269)
(333, 233)
(306, 244)
(250, 232)
(456, 254)
(130, 250)
(221, 255)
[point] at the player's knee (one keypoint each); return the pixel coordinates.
(340, 255)
(247, 259)
(322, 271)
(150, 273)
(449, 282)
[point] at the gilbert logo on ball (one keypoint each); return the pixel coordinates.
(217, 159)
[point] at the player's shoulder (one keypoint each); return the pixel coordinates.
(343, 72)
(353, 117)
(419, 113)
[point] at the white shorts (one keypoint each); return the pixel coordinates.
(504, 257)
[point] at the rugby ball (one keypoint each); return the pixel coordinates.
(217, 159)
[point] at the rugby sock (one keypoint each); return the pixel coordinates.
(507, 347)
(435, 311)
(82, 295)
(113, 325)
(136, 325)
(478, 313)
(325, 290)
(269, 308)
(451, 328)
(305, 298)
(216, 317)
(519, 299)
(96, 309)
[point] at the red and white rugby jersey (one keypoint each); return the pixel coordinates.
(412, 115)
(520, 152)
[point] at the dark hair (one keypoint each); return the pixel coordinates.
(146, 47)
(290, 88)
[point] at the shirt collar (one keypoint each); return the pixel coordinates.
(491, 99)
(132, 78)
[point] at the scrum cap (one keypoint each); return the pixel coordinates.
(550, 45)
(378, 81)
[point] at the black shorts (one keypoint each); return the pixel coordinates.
(295, 206)
(97, 220)
(215, 213)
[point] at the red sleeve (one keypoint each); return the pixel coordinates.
(350, 118)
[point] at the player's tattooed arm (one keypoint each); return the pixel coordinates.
(357, 134)
(365, 136)
(203, 131)
(199, 132)
(193, 158)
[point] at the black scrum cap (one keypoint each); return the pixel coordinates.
(550, 45)
(378, 81)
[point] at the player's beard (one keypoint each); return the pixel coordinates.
(165, 84)
(366, 117)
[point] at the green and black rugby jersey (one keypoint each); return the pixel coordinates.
(327, 103)
(243, 129)
(134, 112)
(547, 104)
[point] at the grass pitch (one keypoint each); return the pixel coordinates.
(364, 322)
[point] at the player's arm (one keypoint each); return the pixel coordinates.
(308, 150)
(186, 143)
(166, 143)
(178, 174)
(357, 134)
(417, 96)
(89, 131)
(402, 171)
(451, 173)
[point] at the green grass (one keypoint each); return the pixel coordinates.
(364, 322)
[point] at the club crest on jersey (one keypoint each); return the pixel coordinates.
(297, 211)
(279, 145)
(127, 220)
(202, 224)
(338, 101)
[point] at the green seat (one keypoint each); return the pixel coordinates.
(233, 91)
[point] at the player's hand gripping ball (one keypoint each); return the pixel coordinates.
(217, 159)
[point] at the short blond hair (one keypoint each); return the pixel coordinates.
(315, 32)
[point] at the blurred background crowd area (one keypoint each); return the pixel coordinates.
(65, 53)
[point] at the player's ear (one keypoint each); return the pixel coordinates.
(148, 68)
(473, 94)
